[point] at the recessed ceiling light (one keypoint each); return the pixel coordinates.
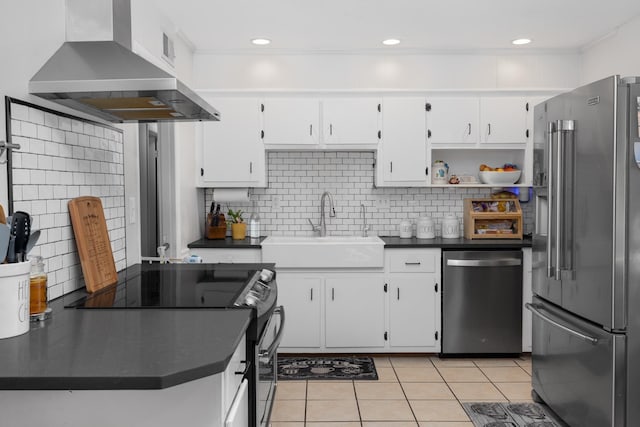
(521, 41)
(261, 42)
(391, 42)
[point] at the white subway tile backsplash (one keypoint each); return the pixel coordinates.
(36, 116)
(27, 129)
(64, 123)
(53, 167)
(19, 112)
(299, 178)
(44, 132)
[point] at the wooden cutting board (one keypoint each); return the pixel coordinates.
(92, 239)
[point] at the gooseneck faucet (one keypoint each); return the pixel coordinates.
(322, 227)
(363, 213)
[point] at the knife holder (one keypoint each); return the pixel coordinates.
(216, 231)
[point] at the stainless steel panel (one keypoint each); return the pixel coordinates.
(482, 306)
(543, 250)
(632, 233)
(588, 292)
(578, 368)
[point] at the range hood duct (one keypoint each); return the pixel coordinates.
(106, 79)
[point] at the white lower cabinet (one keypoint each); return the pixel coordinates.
(300, 295)
(413, 276)
(215, 400)
(411, 323)
(354, 310)
(395, 309)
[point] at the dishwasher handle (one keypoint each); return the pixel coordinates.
(496, 262)
(534, 309)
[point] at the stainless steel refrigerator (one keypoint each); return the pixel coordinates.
(586, 254)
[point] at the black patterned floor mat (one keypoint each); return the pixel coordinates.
(326, 368)
(484, 414)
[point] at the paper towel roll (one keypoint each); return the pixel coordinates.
(221, 195)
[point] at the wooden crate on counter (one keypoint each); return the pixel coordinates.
(492, 219)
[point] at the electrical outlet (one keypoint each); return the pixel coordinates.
(275, 202)
(383, 204)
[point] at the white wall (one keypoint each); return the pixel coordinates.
(33, 30)
(30, 32)
(616, 54)
(400, 72)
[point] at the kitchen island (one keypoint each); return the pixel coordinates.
(120, 367)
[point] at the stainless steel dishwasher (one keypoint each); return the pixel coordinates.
(482, 302)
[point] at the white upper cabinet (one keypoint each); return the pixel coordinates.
(402, 153)
(453, 120)
(290, 121)
(503, 120)
(351, 120)
(309, 123)
(230, 152)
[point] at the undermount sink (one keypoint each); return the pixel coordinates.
(324, 252)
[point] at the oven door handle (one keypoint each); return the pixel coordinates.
(268, 353)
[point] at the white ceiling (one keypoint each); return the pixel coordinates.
(429, 25)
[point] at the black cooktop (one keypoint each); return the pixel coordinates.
(175, 286)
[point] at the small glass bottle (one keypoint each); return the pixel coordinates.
(254, 222)
(37, 286)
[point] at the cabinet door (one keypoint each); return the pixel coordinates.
(300, 296)
(290, 121)
(402, 155)
(354, 311)
(351, 120)
(232, 154)
(503, 120)
(412, 310)
(453, 120)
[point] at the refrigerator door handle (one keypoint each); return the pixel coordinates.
(564, 173)
(534, 309)
(550, 180)
(559, 198)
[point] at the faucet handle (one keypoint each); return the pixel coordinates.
(313, 226)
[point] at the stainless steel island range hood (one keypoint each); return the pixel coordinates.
(96, 72)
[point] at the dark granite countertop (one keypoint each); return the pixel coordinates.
(461, 243)
(227, 243)
(389, 242)
(120, 349)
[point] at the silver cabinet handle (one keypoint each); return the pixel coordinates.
(469, 129)
(330, 129)
(412, 263)
(398, 294)
(534, 309)
(311, 294)
(498, 262)
(250, 167)
(310, 130)
(489, 129)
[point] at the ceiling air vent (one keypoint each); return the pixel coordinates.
(168, 52)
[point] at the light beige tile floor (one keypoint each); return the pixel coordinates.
(412, 391)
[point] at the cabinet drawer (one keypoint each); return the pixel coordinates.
(412, 260)
(228, 255)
